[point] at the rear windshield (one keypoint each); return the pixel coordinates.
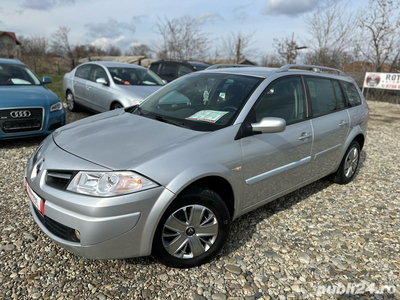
(201, 101)
(134, 76)
(17, 75)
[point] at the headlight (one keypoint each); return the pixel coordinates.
(56, 106)
(106, 184)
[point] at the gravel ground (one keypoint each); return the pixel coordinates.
(321, 235)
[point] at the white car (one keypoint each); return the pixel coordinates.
(101, 85)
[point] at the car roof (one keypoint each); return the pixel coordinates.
(265, 72)
(115, 64)
(196, 63)
(11, 61)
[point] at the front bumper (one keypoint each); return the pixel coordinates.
(51, 122)
(112, 237)
(110, 228)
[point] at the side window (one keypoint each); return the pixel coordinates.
(154, 68)
(168, 70)
(284, 99)
(340, 102)
(352, 94)
(98, 72)
(183, 70)
(323, 98)
(83, 71)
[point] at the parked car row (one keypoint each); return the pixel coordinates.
(169, 175)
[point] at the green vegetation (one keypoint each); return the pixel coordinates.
(56, 85)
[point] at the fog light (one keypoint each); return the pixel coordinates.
(77, 235)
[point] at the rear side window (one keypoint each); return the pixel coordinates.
(183, 70)
(352, 94)
(168, 70)
(83, 71)
(284, 99)
(154, 68)
(341, 103)
(323, 97)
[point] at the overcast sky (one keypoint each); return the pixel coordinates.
(125, 22)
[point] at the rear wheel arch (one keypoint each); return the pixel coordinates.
(360, 139)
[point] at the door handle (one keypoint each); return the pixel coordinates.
(343, 123)
(88, 87)
(304, 135)
(74, 82)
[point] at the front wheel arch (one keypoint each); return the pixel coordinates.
(116, 103)
(191, 246)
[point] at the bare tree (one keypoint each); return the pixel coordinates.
(182, 39)
(59, 42)
(236, 46)
(34, 48)
(139, 50)
(112, 50)
(271, 60)
(331, 26)
(380, 32)
(287, 49)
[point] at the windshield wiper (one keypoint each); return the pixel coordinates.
(169, 121)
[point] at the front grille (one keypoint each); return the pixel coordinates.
(33, 122)
(59, 179)
(58, 229)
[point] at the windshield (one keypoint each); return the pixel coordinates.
(134, 76)
(201, 101)
(17, 75)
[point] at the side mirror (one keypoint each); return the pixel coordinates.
(46, 80)
(101, 81)
(269, 125)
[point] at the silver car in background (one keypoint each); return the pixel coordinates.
(101, 85)
(167, 177)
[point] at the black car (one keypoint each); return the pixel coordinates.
(170, 70)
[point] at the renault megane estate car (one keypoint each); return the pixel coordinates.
(167, 177)
(27, 107)
(102, 85)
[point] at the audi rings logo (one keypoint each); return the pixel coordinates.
(20, 114)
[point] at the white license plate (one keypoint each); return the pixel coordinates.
(36, 200)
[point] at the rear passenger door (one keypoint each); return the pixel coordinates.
(330, 122)
(277, 162)
(79, 82)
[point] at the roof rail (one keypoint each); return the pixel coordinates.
(228, 65)
(316, 69)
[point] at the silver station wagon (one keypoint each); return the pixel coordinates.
(103, 85)
(167, 177)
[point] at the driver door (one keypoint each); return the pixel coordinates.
(276, 162)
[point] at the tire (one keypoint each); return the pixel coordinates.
(177, 242)
(116, 105)
(71, 102)
(348, 167)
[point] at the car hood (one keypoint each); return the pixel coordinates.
(139, 92)
(118, 140)
(16, 96)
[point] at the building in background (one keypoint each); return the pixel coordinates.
(9, 45)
